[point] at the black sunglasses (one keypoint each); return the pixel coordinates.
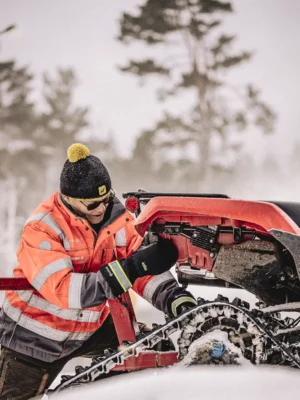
(96, 204)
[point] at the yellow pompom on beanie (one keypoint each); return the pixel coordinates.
(83, 175)
(77, 152)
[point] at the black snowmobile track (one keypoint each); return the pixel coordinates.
(263, 325)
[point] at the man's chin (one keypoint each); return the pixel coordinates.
(95, 219)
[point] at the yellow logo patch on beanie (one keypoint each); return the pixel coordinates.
(102, 190)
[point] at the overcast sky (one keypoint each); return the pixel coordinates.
(81, 34)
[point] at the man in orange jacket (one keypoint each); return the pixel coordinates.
(78, 249)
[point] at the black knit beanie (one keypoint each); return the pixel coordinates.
(84, 176)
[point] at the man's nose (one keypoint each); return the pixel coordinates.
(102, 207)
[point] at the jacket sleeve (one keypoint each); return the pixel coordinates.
(157, 290)
(127, 240)
(48, 267)
(134, 239)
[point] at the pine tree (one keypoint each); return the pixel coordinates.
(196, 57)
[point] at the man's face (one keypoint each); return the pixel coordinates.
(92, 210)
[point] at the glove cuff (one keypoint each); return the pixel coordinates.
(181, 303)
(116, 277)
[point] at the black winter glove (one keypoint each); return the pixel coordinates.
(179, 302)
(151, 260)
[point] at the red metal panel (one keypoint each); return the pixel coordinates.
(148, 360)
(263, 214)
(167, 358)
(122, 321)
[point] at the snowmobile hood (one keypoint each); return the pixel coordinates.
(189, 209)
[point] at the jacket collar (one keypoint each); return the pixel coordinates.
(113, 211)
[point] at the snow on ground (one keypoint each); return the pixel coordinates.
(194, 383)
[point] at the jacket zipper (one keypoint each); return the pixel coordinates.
(95, 240)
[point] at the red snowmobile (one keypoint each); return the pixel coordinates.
(223, 242)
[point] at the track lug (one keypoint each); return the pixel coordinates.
(260, 304)
(257, 313)
(237, 301)
(156, 326)
(241, 303)
(222, 298)
(110, 352)
(79, 369)
(288, 321)
(246, 305)
(64, 378)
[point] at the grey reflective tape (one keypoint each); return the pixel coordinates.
(25, 295)
(105, 286)
(35, 217)
(47, 219)
(69, 314)
(39, 328)
(179, 301)
(49, 270)
(120, 275)
(45, 245)
(75, 290)
(155, 282)
(120, 237)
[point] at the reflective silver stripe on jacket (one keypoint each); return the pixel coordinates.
(75, 290)
(120, 237)
(39, 328)
(69, 314)
(47, 219)
(120, 275)
(49, 270)
(152, 285)
(179, 301)
(45, 245)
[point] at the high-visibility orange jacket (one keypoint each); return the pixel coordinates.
(60, 255)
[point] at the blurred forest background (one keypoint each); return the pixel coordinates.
(198, 147)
